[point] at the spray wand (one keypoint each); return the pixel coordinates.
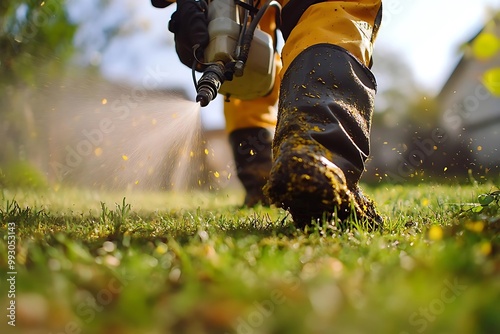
(229, 54)
(210, 83)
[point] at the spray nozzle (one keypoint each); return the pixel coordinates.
(209, 84)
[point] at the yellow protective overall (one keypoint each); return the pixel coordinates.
(349, 24)
(324, 114)
(326, 102)
(325, 94)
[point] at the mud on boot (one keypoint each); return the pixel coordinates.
(322, 137)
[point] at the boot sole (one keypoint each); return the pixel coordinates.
(309, 186)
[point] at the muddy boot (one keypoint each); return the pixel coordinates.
(322, 137)
(252, 155)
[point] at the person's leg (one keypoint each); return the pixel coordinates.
(325, 109)
(250, 124)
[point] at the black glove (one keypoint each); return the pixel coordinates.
(161, 3)
(190, 27)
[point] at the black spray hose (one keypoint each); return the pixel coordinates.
(247, 39)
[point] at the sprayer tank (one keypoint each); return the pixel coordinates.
(259, 72)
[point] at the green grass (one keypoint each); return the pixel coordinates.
(90, 262)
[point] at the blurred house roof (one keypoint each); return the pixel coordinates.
(468, 59)
(470, 112)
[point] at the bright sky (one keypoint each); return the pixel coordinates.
(428, 33)
(425, 33)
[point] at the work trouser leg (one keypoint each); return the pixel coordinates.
(250, 124)
(325, 108)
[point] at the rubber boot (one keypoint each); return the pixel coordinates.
(252, 155)
(322, 137)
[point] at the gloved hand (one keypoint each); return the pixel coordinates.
(190, 27)
(161, 3)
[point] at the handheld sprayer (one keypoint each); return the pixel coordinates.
(239, 59)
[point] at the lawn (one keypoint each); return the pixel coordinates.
(103, 262)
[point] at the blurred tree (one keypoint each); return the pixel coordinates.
(34, 34)
(35, 41)
(38, 40)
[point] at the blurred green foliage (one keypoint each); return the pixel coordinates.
(33, 34)
(22, 174)
(96, 263)
(36, 43)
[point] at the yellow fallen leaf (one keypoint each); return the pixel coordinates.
(435, 233)
(161, 249)
(485, 248)
(477, 226)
